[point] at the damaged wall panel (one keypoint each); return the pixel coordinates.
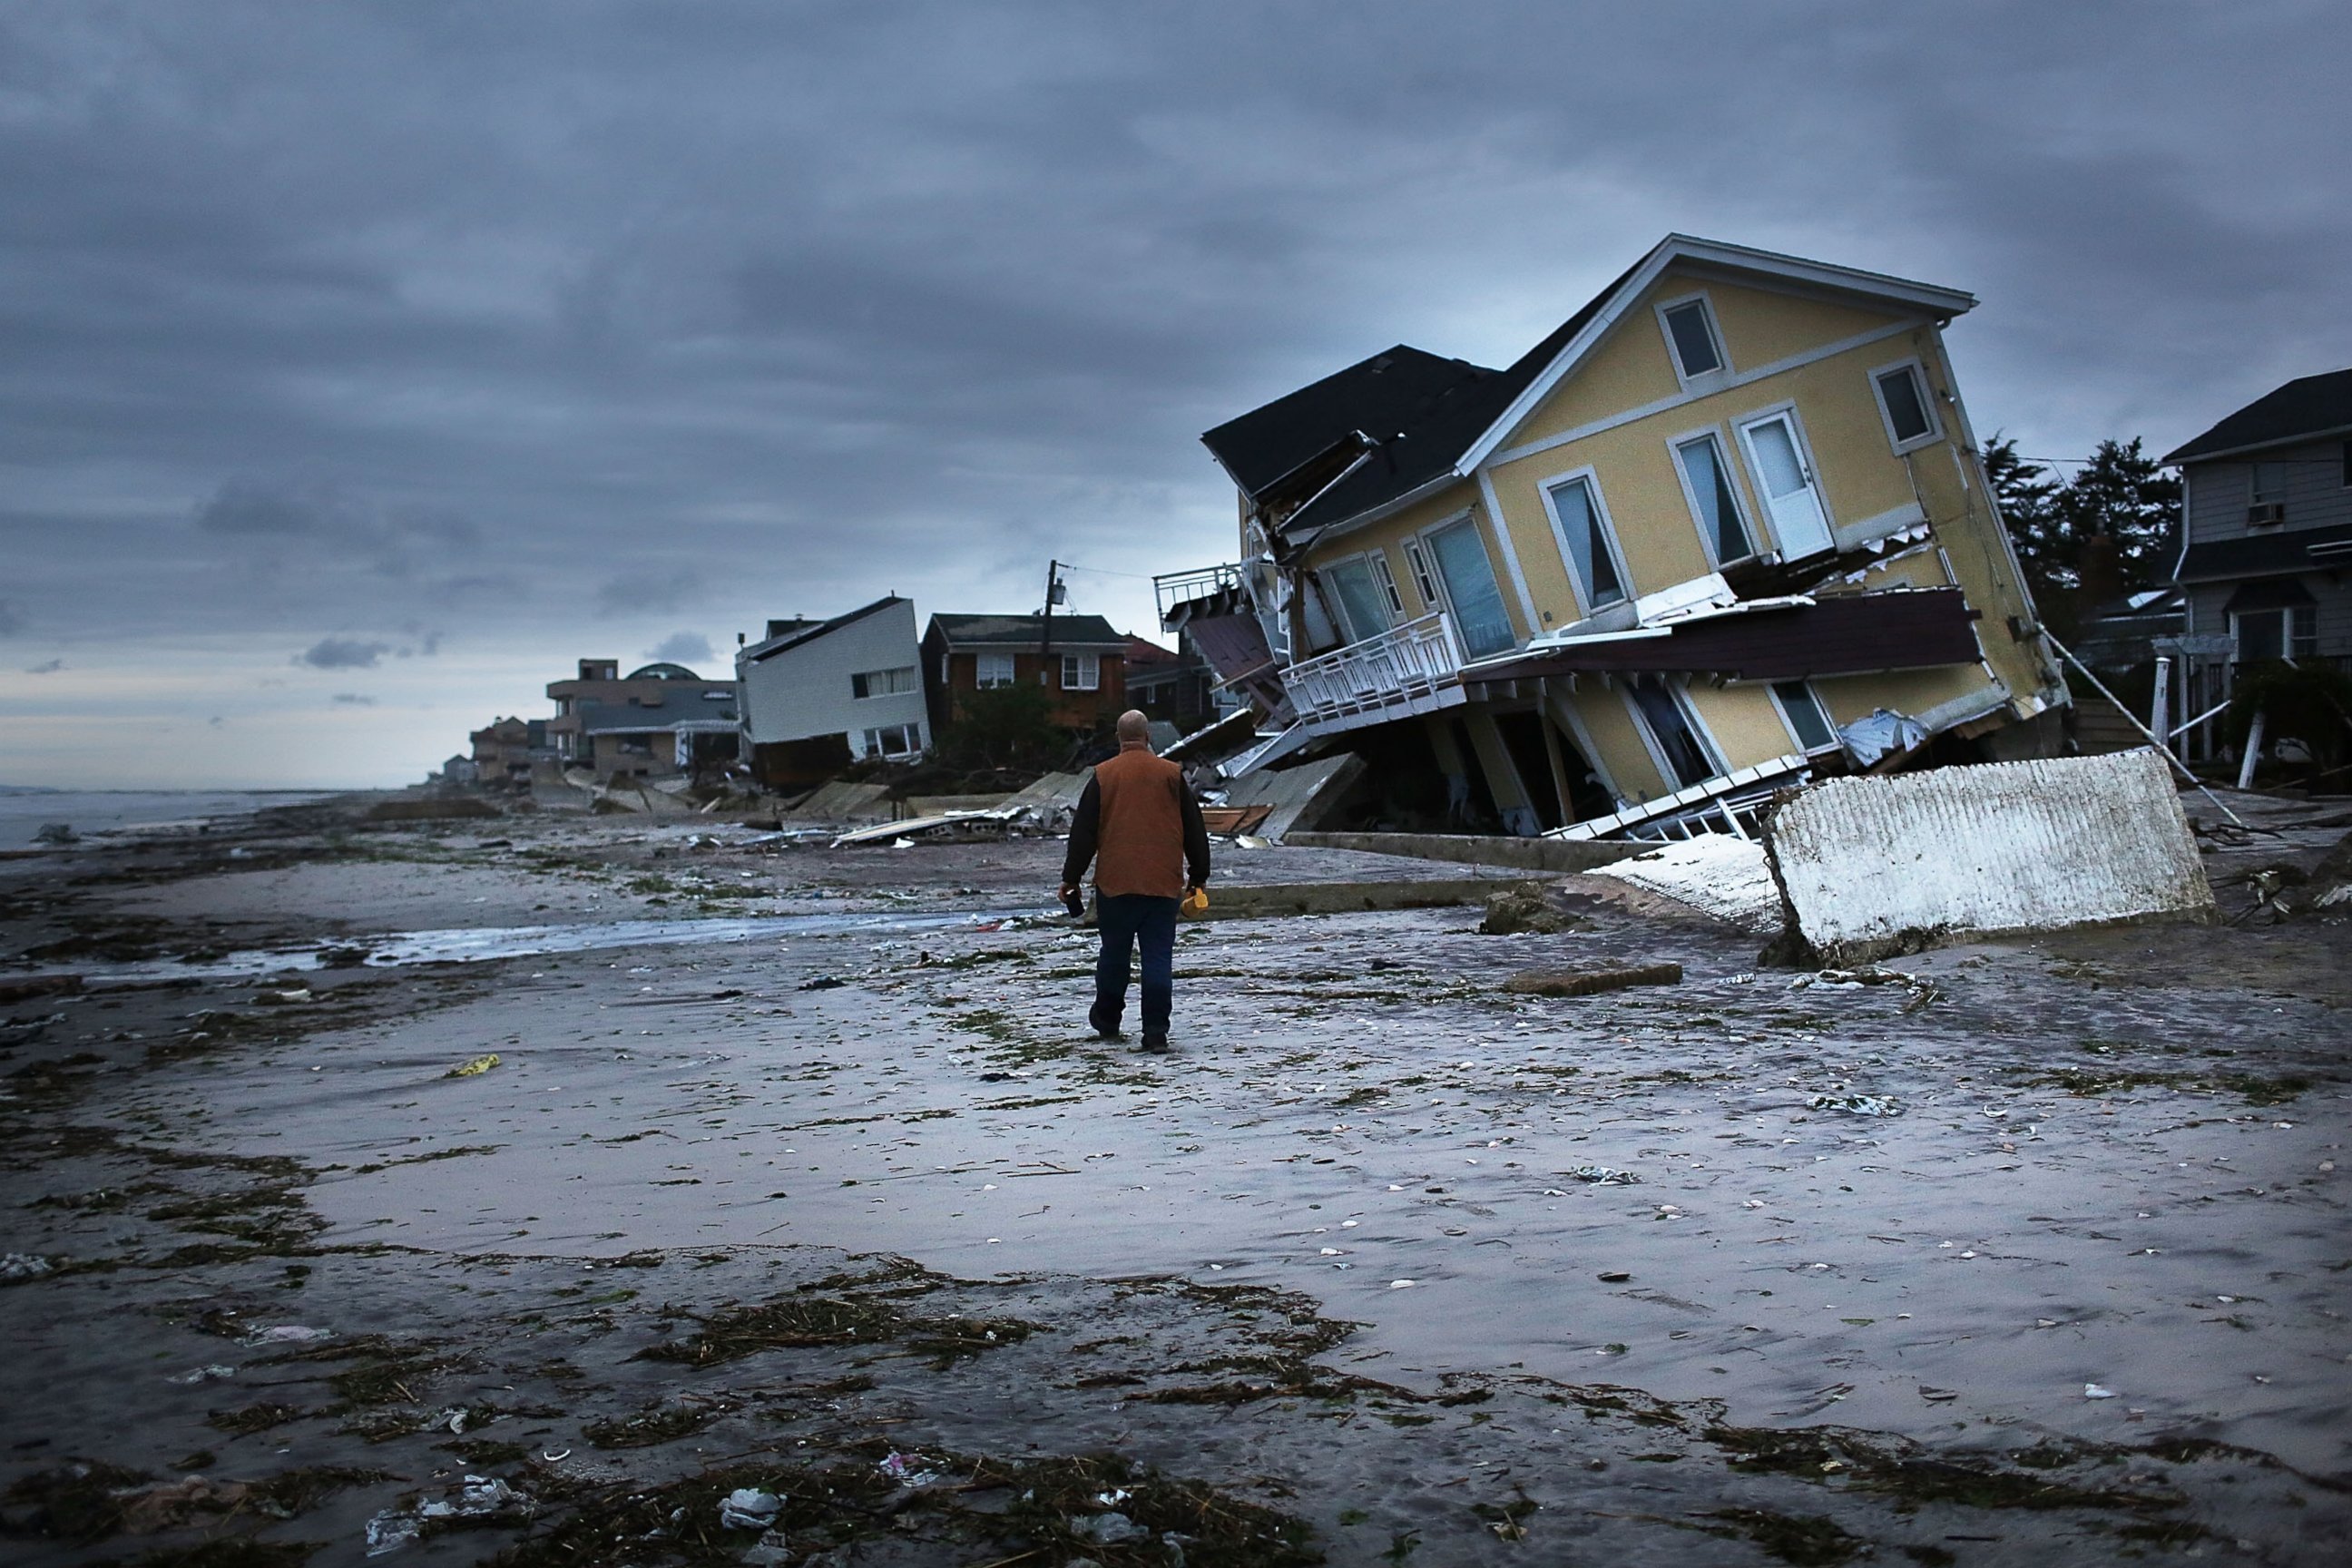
(1873, 866)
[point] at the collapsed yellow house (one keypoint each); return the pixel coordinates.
(1722, 530)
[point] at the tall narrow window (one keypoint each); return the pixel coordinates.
(1361, 604)
(1661, 707)
(1903, 399)
(1807, 721)
(1719, 522)
(1584, 542)
(1380, 560)
(1479, 618)
(1423, 582)
(2269, 495)
(1691, 329)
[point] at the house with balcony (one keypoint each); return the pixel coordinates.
(1079, 660)
(1722, 530)
(2266, 537)
(818, 695)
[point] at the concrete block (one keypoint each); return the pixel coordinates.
(1591, 981)
(1869, 866)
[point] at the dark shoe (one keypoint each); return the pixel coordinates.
(1111, 1035)
(1158, 1043)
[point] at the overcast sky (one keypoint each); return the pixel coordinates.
(363, 366)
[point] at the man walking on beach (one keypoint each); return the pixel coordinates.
(1138, 815)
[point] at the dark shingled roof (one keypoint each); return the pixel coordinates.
(2265, 555)
(806, 632)
(1421, 411)
(1023, 631)
(2307, 407)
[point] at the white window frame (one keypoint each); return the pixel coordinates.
(1918, 370)
(1706, 379)
(1088, 668)
(1772, 689)
(1386, 580)
(1679, 691)
(1426, 560)
(1337, 601)
(1627, 590)
(867, 677)
(991, 670)
(2293, 619)
(1759, 546)
(1425, 581)
(912, 735)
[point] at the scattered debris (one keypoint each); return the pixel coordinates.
(1522, 909)
(1602, 1176)
(823, 983)
(1588, 982)
(1859, 1104)
(57, 833)
(749, 1508)
(15, 1266)
(474, 1068)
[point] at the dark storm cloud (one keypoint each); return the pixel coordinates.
(681, 648)
(354, 699)
(342, 653)
(392, 315)
(12, 619)
(49, 666)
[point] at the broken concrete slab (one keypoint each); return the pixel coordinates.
(1715, 874)
(1301, 797)
(1592, 980)
(1477, 848)
(1869, 866)
(840, 801)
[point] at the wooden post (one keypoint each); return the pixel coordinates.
(2160, 720)
(2253, 751)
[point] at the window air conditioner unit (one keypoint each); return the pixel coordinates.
(2265, 512)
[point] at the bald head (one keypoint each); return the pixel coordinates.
(1133, 726)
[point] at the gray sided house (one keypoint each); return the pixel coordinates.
(820, 694)
(2266, 499)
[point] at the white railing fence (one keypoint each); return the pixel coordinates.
(1404, 662)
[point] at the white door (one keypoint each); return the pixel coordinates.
(1776, 457)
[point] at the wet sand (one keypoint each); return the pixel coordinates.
(2034, 1250)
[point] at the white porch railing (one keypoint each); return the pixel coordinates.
(1399, 668)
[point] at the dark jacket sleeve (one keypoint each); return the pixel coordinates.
(1196, 839)
(1086, 827)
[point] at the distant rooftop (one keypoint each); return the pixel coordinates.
(2305, 408)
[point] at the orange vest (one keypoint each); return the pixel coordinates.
(1140, 842)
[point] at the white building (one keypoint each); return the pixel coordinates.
(818, 694)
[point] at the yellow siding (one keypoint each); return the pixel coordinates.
(1911, 691)
(1389, 535)
(1744, 722)
(1623, 756)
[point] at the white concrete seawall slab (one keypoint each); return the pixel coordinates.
(1869, 864)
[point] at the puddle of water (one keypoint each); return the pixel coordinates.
(483, 944)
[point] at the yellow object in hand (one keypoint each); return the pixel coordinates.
(1196, 902)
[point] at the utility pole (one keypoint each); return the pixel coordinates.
(1053, 593)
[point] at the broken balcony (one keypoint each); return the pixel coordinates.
(1412, 668)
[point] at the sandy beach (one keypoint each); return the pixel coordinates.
(798, 1175)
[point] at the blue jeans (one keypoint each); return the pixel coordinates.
(1123, 920)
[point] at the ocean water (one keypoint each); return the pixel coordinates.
(103, 811)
